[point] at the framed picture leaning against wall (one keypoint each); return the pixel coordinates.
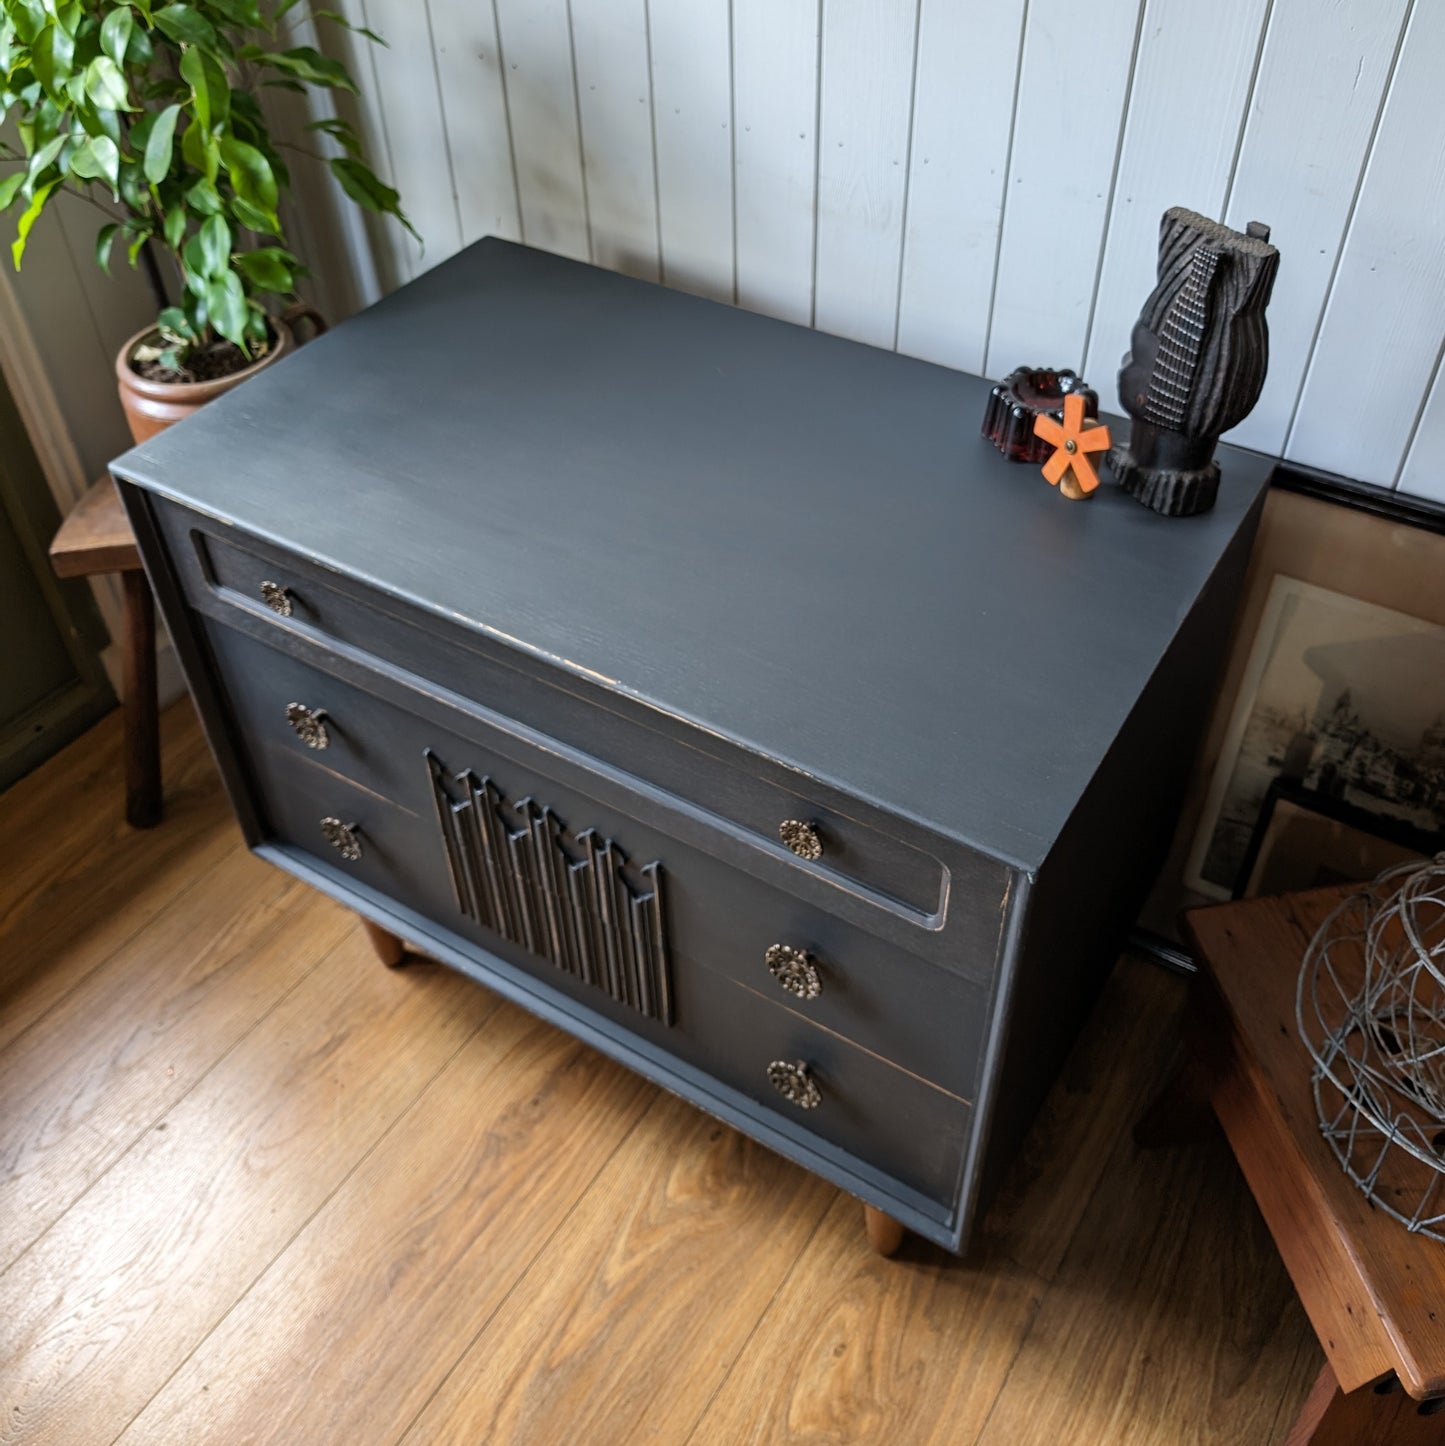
(1331, 711)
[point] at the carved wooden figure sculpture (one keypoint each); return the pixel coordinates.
(1197, 359)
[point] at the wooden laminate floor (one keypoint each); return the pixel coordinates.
(256, 1187)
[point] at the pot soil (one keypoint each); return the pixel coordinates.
(152, 404)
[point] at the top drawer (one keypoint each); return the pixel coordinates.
(815, 828)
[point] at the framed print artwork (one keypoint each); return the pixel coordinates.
(1334, 686)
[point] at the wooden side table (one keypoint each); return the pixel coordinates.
(96, 537)
(1374, 1292)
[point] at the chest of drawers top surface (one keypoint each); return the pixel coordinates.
(795, 543)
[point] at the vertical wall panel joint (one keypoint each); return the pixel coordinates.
(1385, 92)
(907, 169)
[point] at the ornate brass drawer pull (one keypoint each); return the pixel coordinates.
(792, 1080)
(309, 724)
(794, 970)
(801, 837)
(345, 838)
(277, 597)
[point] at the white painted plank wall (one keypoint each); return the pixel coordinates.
(1068, 124)
(993, 200)
(866, 113)
(418, 138)
(1387, 307)
(692, 112)
(1322, 78)
(474, 105)
(541, 88)
(963, 111)
(1216, 47)
(614, 104)
(775, 171)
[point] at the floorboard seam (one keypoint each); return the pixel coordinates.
(291, 1239)
(1024, 1335)
(762, 1316)
(655, 1103)
(171, 1105)
(169, 902)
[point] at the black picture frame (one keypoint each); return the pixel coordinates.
(1284, 795)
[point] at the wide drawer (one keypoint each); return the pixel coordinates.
(221, 569)
(883, 1116)
(474, 799)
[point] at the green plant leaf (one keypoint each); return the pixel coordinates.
(208, 85)
(139, 52)
(9, 187)
(193, 259)
(115, 32)
(226, 303)
(70, 15)
(341, 20)
(175, 227)
(308, 64)
(215, 251)
(340, 132)
(29, 19)
(103, 242)
(160, 144)
(51, 57)
(133, 251)
(251, 175)
(240, 12)
(133, 187)
(366, 189)
(269, 268)
(105, 84)
(28, 218)
(201, 151)
(204, 199)
(44, 158)
(255, 219)
(96, 158)
(186, 26)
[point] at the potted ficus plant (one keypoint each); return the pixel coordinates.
(152, 114)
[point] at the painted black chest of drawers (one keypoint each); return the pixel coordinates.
(703, 683)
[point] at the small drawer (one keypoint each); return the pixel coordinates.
(368, 839)
(803, 821)
(291, 706)
(815, 1084)
(869, 988)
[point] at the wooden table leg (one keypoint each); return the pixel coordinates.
(885, 1234)
(389, 948)
(142, 710)
(1387, 1416)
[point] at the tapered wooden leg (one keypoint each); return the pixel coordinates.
(389, 949)
(1383, 1416)
(142, 712)
(885, 1234)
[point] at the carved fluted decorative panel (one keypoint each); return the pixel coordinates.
(570, 897)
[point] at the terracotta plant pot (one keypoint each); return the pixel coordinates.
(151, 407)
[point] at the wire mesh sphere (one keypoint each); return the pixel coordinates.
(1371, 1012)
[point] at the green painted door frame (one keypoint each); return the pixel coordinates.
(52, 686)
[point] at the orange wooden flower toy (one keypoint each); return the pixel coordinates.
(1069, 468)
